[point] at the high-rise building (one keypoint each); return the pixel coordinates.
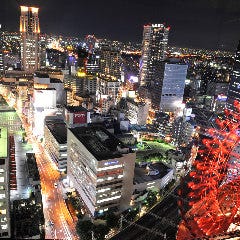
(110, 61)
(173, 85)
(29, 31)
(234, 85)
(155, 39)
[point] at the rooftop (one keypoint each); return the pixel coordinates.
(140, 173)
(99, 142)
(3, 143)
(58, 129)
(75, 108)
(55, 80)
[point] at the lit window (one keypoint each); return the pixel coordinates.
(4, 227)
(3, 195)
(3, 211)
(103, 190)
(108, 199)
(100, 180)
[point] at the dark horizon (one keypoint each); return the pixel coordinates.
(206, 24)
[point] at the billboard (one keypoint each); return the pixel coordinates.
(79, 117)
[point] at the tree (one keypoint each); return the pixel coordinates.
(151, 198)
(131, 215)
(100, 231)
(84, 229)
(112, 220)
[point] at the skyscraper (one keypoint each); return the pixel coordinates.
(29, 32)
(234, 85)
(155, 39)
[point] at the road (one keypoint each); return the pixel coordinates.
(161, 223)
(58, 221)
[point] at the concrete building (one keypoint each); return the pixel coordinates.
(144, 180)
(183, 131)
(137, 112)
(110, 62)
(76, 116)
(100, 168)
(107, 92)
(44, 81)
(55, 141)
(43, 104)
(29, 32)
(5, 231)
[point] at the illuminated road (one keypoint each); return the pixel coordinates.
(58, 221)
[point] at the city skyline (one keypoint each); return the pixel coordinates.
(190, 21)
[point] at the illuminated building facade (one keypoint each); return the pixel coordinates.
(110, 61)
(4, 186)
(107, 91)
(154, 45)
(234, 85)
(100, 168)
(1, 52)
(44, 104)
(76, 116)
(55, 136)
(137, 112)
(29, 32)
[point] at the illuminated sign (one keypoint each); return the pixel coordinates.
(222, 97)
(80, 117)
(111, 163)
(133, 79)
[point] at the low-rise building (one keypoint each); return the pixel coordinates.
(5, 231)
(55, 135)
(76, 116)
(156, 176)
(137, 112)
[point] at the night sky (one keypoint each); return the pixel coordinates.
(212, 24)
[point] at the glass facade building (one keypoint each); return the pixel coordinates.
(234, 85)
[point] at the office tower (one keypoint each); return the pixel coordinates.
(234, 85)
(100, 168)
(155, 38)
(173, 84)
(29, 32)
